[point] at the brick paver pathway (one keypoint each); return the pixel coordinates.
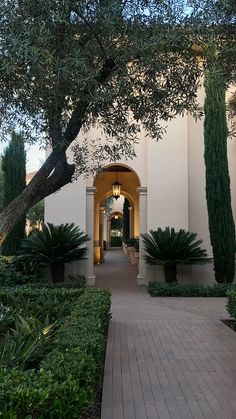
(166, 357)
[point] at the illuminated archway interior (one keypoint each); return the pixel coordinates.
(103, 183)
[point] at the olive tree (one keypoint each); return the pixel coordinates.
(67, 65)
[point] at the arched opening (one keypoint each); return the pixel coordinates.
(105, 204)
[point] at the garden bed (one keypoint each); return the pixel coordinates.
(65, 379)
(162, 289)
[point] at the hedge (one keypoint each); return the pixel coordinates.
(65, 384)
(162, 289)
(231, 303)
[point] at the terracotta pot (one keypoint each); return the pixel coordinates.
(131, 253)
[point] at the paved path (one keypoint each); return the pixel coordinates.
(166, 357)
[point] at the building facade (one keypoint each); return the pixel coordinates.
(165, 186)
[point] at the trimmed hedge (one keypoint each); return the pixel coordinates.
(231, 303)
(162, 289)
(65, 384)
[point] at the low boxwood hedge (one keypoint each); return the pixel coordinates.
(231, 303)
(162, 289)
(65, 384)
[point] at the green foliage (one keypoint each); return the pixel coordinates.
(126, 219)
(116, 241)
(63, 60)
(136, 245)
(14, 169)
(161, 289)
(1, 185)
(35, 216)
(231, 303)
(132, 242)
(218, 195)
(64, 385)
(170, 248)
(35, 302)
(53, 246)
(19, 272)
(25, 345)
(117, 224)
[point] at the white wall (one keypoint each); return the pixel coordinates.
(68, 205)
(167, 178)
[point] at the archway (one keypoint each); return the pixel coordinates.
(98, 221)
(103, 183)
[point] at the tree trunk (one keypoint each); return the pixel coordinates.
(54, 174)
(170, 272)
(218, 195)
(57, 272)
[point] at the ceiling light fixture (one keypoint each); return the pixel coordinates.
(116, 188)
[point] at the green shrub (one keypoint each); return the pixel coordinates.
(116, 241)
(162, 289)
(19, 272)
(131, 242)
(64, 385)
(170, 248)
(53, 246)
(231, 303)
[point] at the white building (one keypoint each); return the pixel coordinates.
(165, 186)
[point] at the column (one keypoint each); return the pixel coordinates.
(97, 253)
(90, 231)
(131, 222)
(142, 191)
(101, 229)
(108, 234)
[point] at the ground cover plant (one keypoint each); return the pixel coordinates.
(231, 303)
(161, 289)
(50, 362)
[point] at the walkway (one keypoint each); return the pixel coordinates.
(166, 357)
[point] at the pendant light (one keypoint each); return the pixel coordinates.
(116, 188)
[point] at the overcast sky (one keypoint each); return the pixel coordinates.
(34, 157)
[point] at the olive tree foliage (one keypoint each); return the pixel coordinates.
(68, 65)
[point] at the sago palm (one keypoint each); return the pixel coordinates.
(55, 245)
(169, 248)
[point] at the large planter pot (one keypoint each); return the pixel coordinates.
(125, 249)
(131, 255)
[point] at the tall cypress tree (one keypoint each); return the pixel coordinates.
(218, 195)
(14, 168)
(126, 219)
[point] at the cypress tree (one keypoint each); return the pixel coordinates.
(126, 219)
(14, 168)
(218, 195)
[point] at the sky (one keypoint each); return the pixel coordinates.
(34, 157)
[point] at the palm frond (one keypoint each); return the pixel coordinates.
(170, 246)
(55, 244)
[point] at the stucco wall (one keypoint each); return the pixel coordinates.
(174, 173)
(167, 178)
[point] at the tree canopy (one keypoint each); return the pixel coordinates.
(67, 65)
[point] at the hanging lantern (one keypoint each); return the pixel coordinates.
(116, 188)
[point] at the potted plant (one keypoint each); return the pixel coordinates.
(170, 248)
(124, 245)
(131, 250)
(136, 246)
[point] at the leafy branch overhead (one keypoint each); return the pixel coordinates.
(66, 67)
